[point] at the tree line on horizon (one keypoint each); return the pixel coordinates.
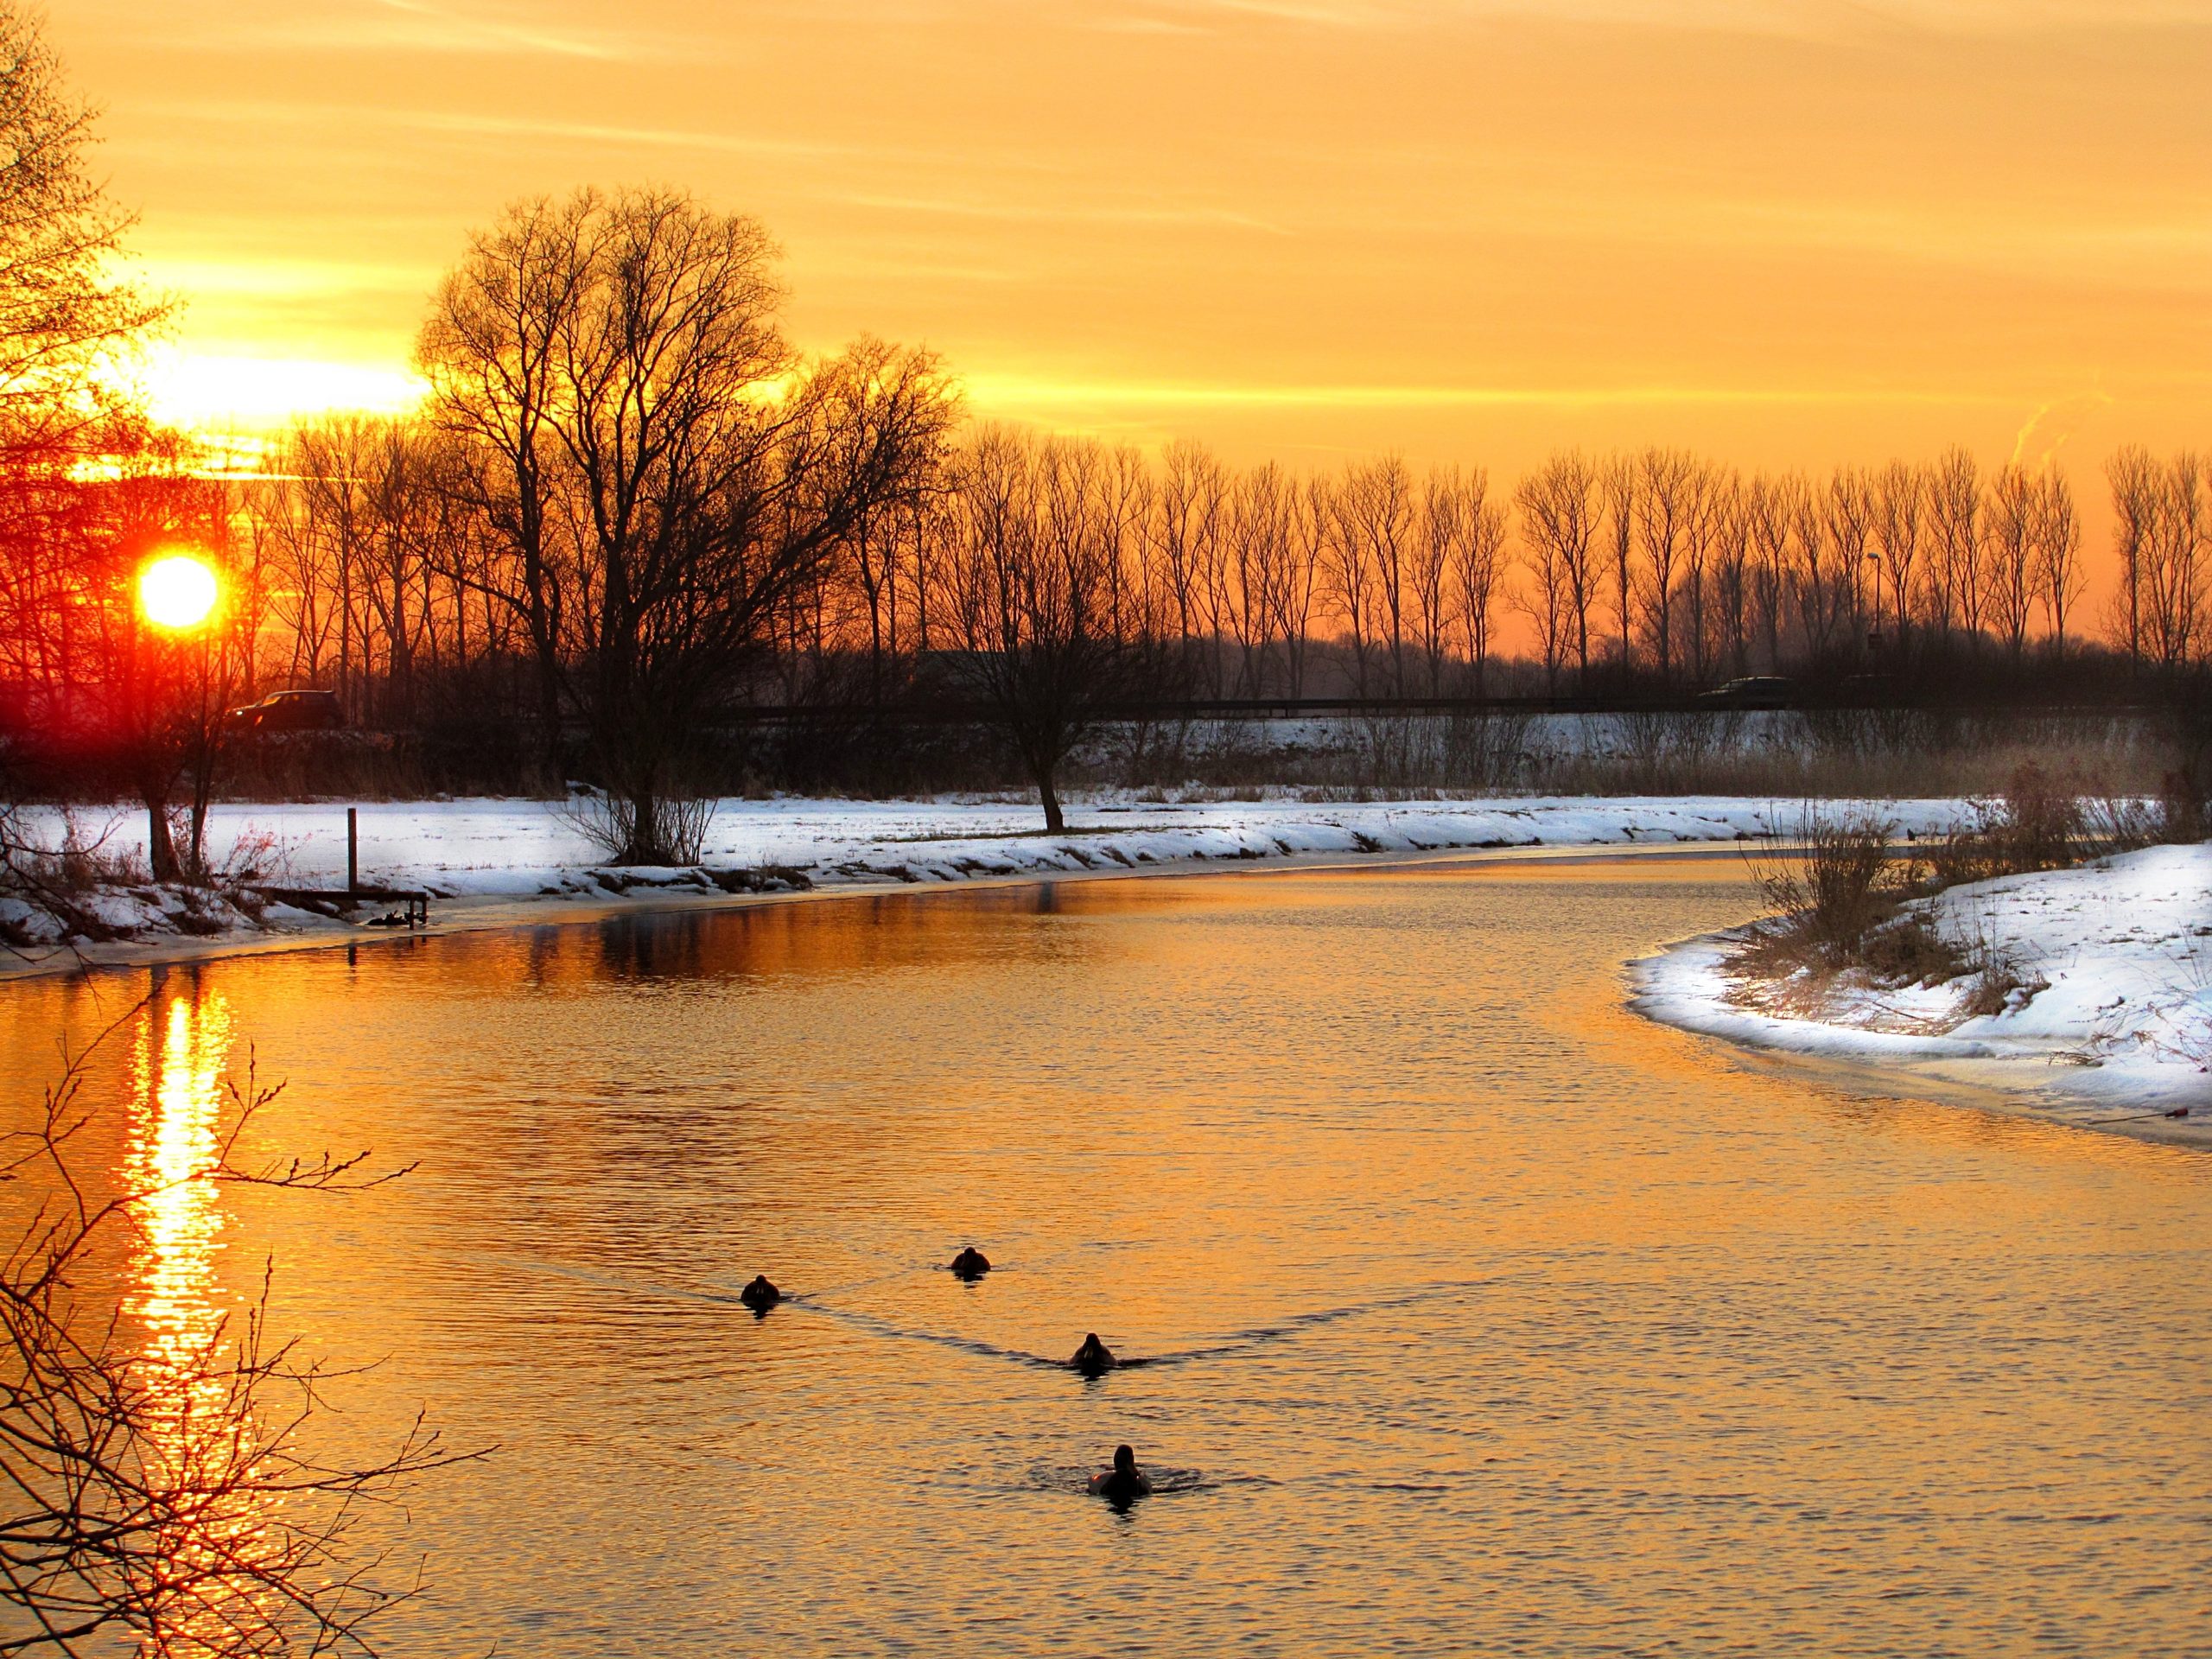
(629, 509)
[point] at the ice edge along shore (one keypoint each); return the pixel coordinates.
(2113, 1029)
(506, 862)
(2124, 947)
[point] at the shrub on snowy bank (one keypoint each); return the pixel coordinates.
(1854, 914)
(76, 888)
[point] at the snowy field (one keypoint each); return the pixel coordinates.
(520, 848)
(2112, 1025)
(493, 861)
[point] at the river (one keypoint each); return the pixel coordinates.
(1484, 1315)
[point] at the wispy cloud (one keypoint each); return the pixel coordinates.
(277, 279)
(1049, 391)
(1022, 212)
(494, 28)
(2047, 431)
(453, 28)
(1814, 18)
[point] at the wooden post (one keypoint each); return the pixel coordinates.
(353, 851)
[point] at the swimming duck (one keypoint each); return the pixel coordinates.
(1123, 1482)
(1094, 1357)
(971, 1264)
(760, 1295)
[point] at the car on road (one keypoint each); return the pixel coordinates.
(1753, 691)
(304, 709)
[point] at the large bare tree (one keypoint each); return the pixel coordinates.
(665, 470)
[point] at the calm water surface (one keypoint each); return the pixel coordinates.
(1486, 1316)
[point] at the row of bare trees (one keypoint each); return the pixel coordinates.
(615, 524)
(1666, 563)
(396, 551)
(628, 508)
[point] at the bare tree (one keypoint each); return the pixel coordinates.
(2134, 477)
(1312, 522)
(491, 353)
(2009, 572)
(1027, 592)
(1193, 504)
(1768, 507)
(1137, 606)
(1375, 519)
(1557, 525)
(2175, 596)
(1666, 497)
(1853, 510)
(1472, 553)
(1899, 498)
(1955, 586)
(62, 310)
(1349, 555)
(2057, 531)
(1261, 517)
(670, 479)
(1735, 554)
(1711, 493)
(1617, 479)
(1440, 529)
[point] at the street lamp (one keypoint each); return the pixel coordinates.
(177, 592)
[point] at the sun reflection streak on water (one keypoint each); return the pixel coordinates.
(176, 1110)
(195, 1419)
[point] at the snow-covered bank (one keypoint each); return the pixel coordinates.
(2113, 1021)
(514, 859)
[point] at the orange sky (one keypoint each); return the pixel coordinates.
(1789, 232)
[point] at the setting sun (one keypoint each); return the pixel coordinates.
(177, 592)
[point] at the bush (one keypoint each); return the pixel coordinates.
(1834, 880)
(2042, 821)
(676, 837)
(1908, 951)
(1998, 976)
(2184, 807)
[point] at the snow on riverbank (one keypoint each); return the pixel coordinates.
(502, 859)
(2114, 1017)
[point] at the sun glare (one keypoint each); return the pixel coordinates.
(177, 592)
(207, 392)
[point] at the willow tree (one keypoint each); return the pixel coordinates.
(658, 468)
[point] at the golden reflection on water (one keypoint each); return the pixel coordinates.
(1497, 1318)
(179, 1066)
(172, 1296)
